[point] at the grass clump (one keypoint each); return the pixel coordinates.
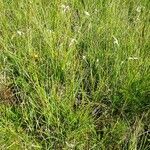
(74, 74)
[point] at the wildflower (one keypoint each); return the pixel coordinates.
(72, 42)
(35, 56)
(49, 31)
(20, 33)
(116, 41)
(97, 60)
(86, 13)
(65, 8)
(122, 62)
(84, 57)
(133, 58)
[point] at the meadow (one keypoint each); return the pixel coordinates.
(74, 75)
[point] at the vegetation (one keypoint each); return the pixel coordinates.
(74, 74)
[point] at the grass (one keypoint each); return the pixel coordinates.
(74, 74)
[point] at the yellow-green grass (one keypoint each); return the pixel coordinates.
(74, 74)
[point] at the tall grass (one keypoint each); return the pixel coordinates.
(74, 74)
